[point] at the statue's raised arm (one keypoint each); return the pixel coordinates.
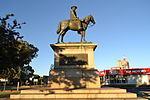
(75, 24)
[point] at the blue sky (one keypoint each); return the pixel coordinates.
(122, 29)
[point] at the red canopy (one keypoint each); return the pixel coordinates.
(135, 71)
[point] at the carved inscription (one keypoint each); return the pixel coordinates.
(73, 59)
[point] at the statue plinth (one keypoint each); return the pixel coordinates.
(74, 66)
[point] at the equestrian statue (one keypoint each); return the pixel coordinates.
(75, 24)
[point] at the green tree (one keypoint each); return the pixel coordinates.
(26, 74)
(15, 53)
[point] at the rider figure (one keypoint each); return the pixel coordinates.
(73, 16)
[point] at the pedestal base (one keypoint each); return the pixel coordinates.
(73, 78)
(74, 66)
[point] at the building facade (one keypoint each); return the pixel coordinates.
(137, 76)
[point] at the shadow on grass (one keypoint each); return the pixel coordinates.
(5, 94)
(141, 91)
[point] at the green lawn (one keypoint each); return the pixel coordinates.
(6, 94)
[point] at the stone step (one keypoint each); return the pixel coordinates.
(148, 92)
(107, 90)
(87, 99)
(75, 95)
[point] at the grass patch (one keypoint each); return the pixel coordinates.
(6, 94)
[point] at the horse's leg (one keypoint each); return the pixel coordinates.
(81, 33)
(60, 34)
(83, 36)
(64, 30)
(62, 38)
(58, 38)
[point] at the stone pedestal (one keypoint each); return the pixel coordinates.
(74, 66)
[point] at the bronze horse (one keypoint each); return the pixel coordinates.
(66, 25)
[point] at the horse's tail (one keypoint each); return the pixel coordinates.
(59, 28)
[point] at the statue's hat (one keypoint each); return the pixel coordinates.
(73, 7)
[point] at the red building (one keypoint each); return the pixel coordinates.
(138, 76)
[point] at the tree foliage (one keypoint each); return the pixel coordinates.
(15, 53)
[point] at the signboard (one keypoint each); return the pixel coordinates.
(136, 71)
(73, 59)
(35, 80)
(3, 80)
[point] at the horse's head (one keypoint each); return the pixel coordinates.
(89, 19)
(92, 19)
